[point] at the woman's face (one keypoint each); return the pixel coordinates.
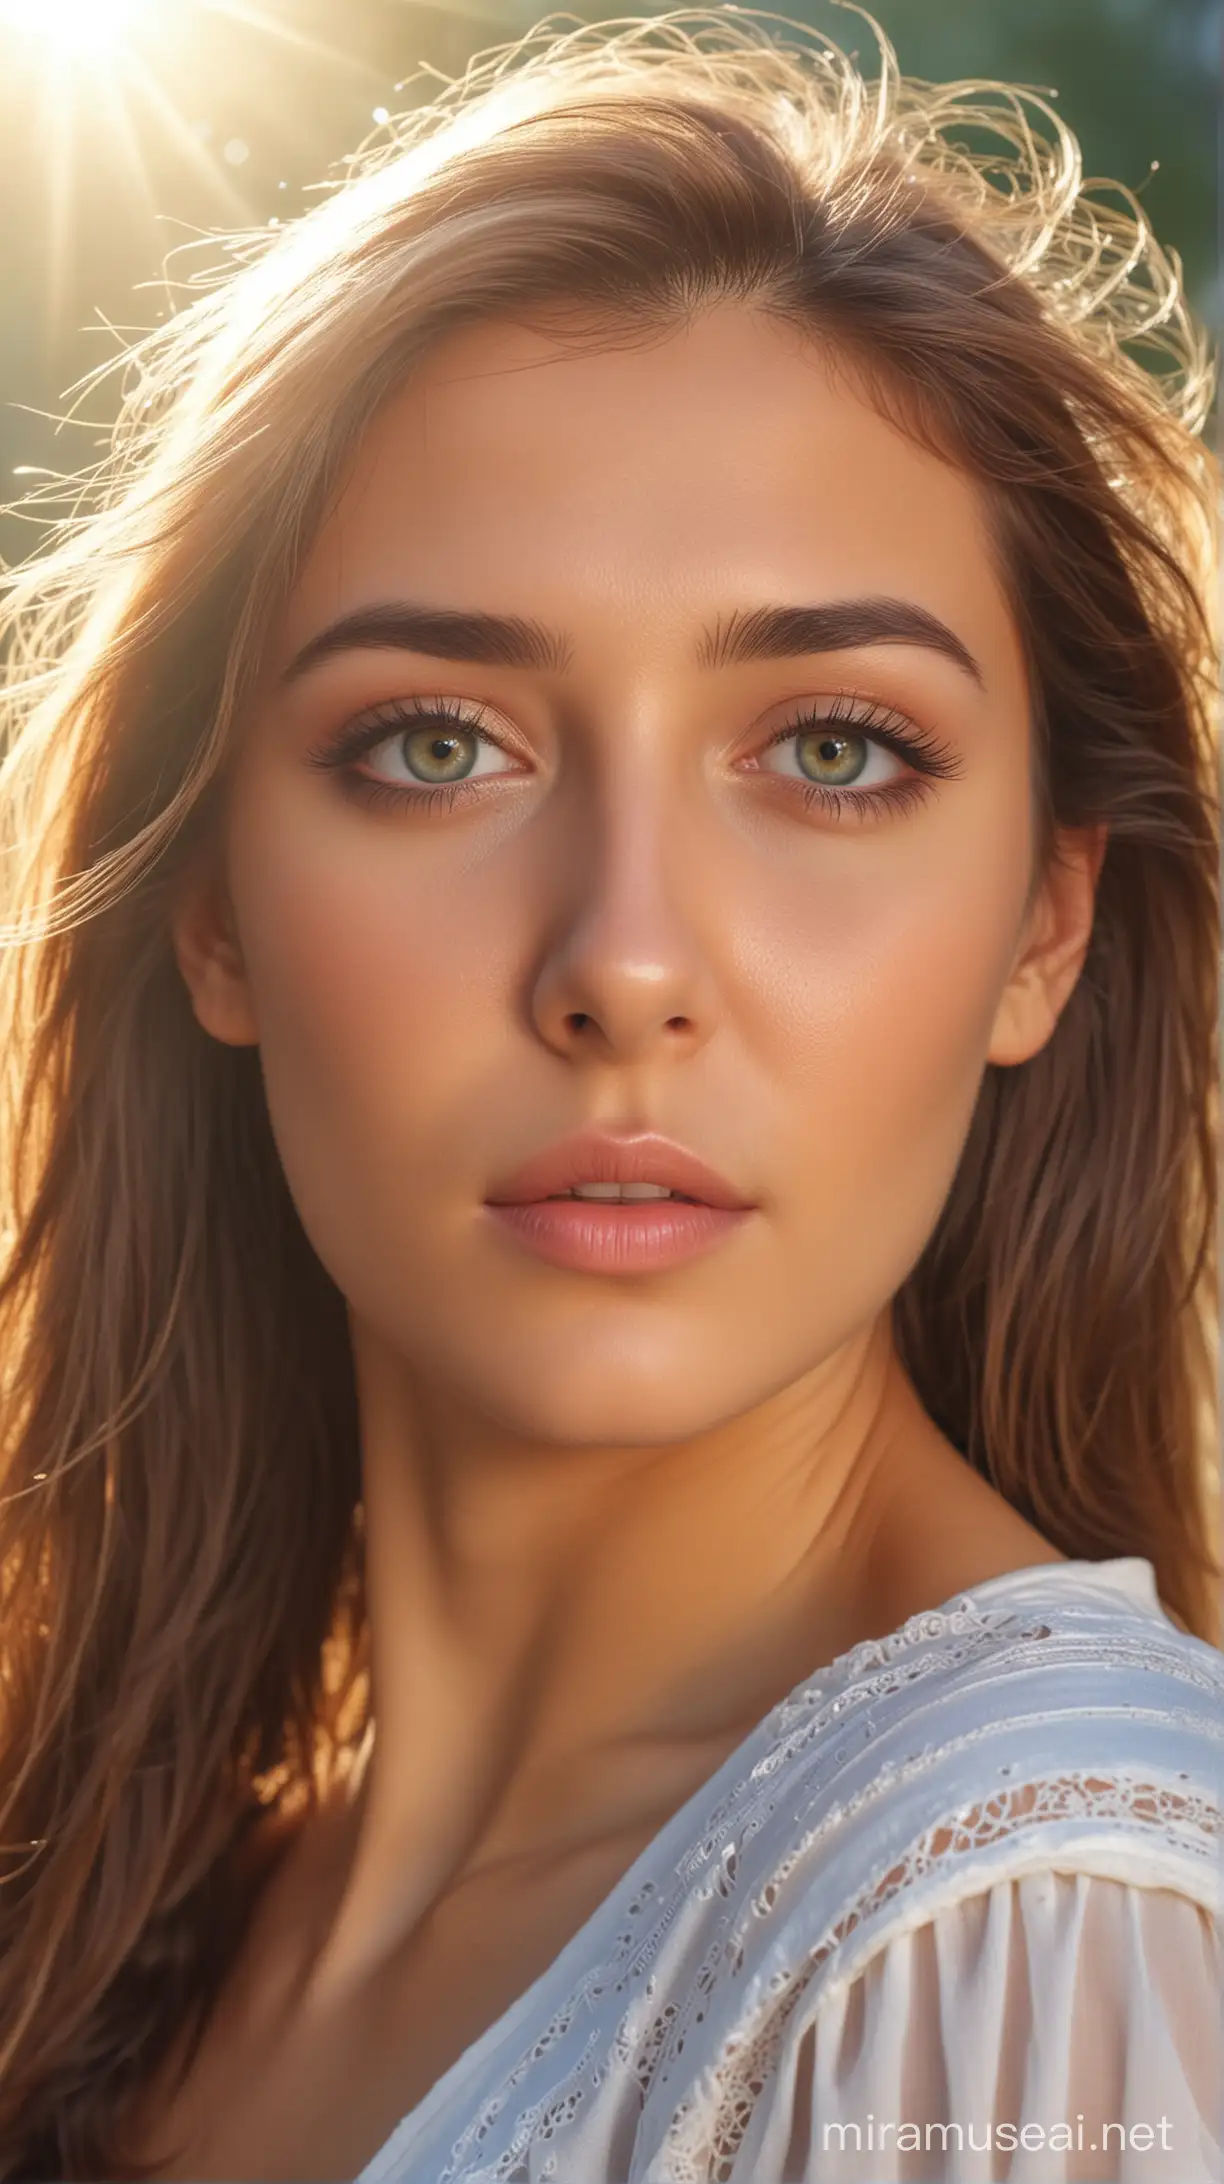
(662, 903)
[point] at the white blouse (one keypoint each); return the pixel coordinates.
(953, 1911)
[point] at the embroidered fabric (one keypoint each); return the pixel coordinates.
(1054, 1719)
(703, 2144)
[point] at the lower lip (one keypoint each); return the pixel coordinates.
(634, 1238)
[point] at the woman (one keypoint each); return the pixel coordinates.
(653, 643)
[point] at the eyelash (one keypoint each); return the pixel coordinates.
(878, 723)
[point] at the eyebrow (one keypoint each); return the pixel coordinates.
(510, 640)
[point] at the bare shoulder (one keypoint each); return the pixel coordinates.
(947, 1529)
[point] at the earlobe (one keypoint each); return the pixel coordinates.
(1051, 955)
(210, 959)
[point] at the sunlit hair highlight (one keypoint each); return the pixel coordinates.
(180, 1529)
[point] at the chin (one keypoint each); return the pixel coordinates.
(614, 1399)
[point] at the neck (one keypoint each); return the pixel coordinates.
(566, 1641)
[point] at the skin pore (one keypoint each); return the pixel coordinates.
(611, 1520)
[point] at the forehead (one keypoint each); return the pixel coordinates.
(728, 460)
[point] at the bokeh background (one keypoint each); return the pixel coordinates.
(133, 133)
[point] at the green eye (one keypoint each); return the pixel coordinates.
(832, 760)
(440, 755)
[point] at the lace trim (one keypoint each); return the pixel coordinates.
(702, 2144)
(648, 2041)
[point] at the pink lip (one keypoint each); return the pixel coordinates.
(595, 1156)
(633, 1238)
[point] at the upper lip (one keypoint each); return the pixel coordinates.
(591, 1156)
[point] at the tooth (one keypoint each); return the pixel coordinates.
(614, 1193)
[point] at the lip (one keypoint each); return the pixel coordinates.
(637, 1237)
(590, 1238)
(593, 1156)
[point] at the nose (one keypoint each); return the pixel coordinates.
(625, 975)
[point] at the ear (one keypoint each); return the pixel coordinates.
(1052, 948)
(209, 957)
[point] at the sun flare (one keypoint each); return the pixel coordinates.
(72, 26)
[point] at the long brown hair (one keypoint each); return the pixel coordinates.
(180, 1548)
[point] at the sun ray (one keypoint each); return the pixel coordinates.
(123, 133)
(59, 132)
(145, 83)
(274, 26)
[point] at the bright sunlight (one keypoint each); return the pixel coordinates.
(74, 26)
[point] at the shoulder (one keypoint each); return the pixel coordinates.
(1006, 1816)
(1052, 1722)
(1053, 1714)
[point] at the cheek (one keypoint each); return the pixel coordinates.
(383, 994)
(891, 1006)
